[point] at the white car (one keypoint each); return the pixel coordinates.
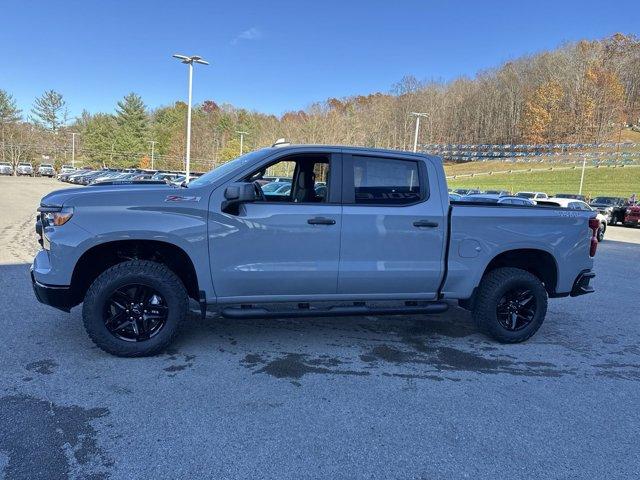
(573, 204)
(532, 195)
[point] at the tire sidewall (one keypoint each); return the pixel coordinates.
(112, 279)
(491, 323)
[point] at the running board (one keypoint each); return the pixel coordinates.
(259, 312)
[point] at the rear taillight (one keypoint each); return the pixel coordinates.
(594, 225)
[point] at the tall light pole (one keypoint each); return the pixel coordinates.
(189, 61)
(73, 149)
(242, 134)
(153, 144)
(584, 165)
(415, 136)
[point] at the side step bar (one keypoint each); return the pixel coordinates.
(259, 312)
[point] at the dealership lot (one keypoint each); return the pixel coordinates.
(361, 397)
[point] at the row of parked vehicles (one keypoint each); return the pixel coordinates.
(27, 169)
(89, 176)
(610, 210)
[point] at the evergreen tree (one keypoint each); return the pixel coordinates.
(9, 115)
(9, 112)
(49, 111)
(98, 139)
(132, 129)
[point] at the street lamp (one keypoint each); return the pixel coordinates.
(415, 137)
(153, 144)
(189, 61)
(242, 134)
(73, 149)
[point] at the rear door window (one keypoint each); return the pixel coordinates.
(385, 181)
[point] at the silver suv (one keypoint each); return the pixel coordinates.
(46, 170)
(24, 169)
(6, 168)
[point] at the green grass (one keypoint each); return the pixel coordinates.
(618, 181)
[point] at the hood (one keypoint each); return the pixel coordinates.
(70, 196)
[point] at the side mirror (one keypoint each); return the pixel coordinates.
(237, 193)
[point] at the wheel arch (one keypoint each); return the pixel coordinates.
(102, 256)
(538, 262)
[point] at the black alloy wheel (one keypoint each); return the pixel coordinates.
(516, 309)
(135, 312)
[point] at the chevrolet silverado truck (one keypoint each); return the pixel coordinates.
(382, 239)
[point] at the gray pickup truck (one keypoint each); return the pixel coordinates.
(379, 237)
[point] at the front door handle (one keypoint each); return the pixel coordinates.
(425, 223)
(321, 221)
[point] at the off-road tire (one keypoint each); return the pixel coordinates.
(150, 273)
(492, 287)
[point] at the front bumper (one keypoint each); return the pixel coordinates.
(581, 285)
(56, 296)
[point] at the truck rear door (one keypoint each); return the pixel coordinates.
(393, 227)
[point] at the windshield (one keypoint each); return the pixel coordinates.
(25, 164)
(226, 168)
(605, 200)
(525, 194)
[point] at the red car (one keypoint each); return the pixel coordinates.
(632, 215)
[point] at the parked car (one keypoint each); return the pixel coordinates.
(572, 204)
(67, 168)
(272, 188)
(24, 169)
(632, 216)
(166, 176)
(502, 193)
(574, 196)
(498, 199)
(6, 168)
(134, 254)
(523, 202)
(532, 195)
(454, 197)
(71, 176)
(466, 191)
(614, 208)
(46, 170)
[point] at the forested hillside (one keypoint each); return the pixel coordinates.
(580, 92)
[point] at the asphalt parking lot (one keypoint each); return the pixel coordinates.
(362, 397)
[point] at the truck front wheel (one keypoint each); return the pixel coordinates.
(510, 304)
(135, 308)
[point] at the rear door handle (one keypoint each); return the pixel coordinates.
(321, 221)
(425, 223)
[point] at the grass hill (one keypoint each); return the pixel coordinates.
(615, 181)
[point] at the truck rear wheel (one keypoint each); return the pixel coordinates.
(135, 308)
(510, 304)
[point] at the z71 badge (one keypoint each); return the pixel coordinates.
(181, 198)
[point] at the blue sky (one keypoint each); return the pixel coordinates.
(274, 56)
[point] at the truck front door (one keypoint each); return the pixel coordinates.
(286, 246)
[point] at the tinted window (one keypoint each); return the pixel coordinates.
(385, 181)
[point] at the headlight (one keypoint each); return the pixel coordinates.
(57, 218)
